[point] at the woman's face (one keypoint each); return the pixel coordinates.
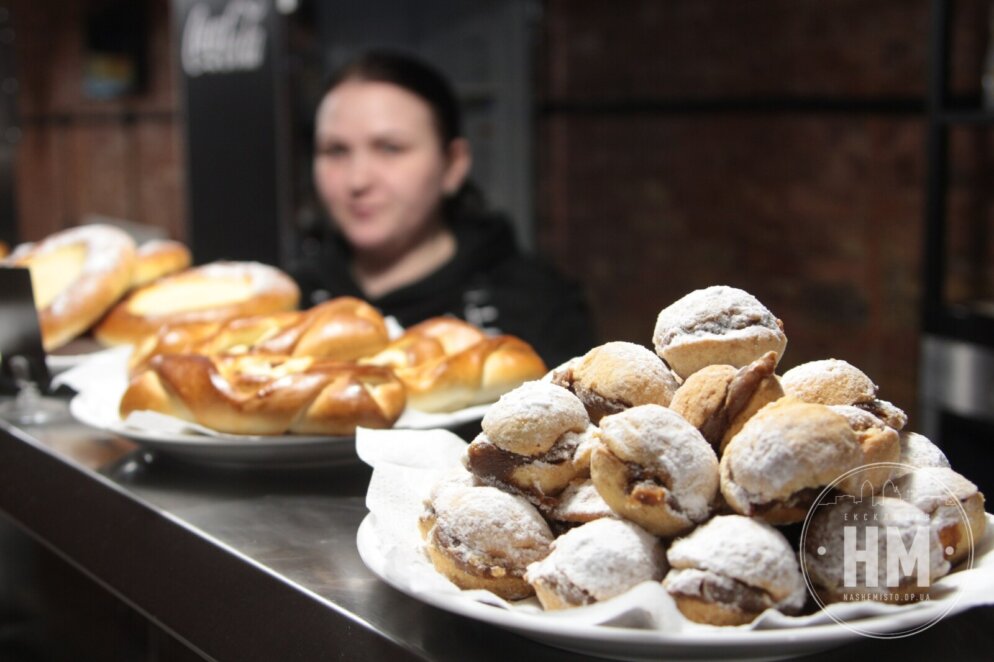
(379, 164)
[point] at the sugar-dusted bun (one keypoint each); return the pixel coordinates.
(596, 562)
(825, 549)
(158, 258)
(77, 275)
(879, 442)
(482, 538)
(719, 399)
(214, 292)
(530, 419)
(731, 569)
(954, 504)
(917, 450)
(579, 503)
(655, 469)
(837, 382)
(615, 376)
(718, 324)
(265, 395)
(783, 457)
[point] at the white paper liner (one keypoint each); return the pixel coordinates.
(408, 463)
(101, 380)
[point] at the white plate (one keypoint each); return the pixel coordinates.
(640, 644)
(98, 410)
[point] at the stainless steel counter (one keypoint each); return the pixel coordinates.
(245, 565)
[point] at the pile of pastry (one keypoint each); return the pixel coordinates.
(696, 466)
(223, 346)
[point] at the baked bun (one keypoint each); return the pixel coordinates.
(578, 504)
(343, 329)
(615, 376)
(596, 562)
(825, 545)
(482, 538)
(953, 503)
(655, 469)
(917, 450)
(158, 258)
(732, 569)
(719, 399)
(427, 342)
(528, 441)
(783, 457)
(210, 293)
(837, 382)
(718, 324)
(266, 395)
(879, 442)
(76, 275)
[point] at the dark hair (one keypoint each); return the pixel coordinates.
(423, 80)
(412, 74)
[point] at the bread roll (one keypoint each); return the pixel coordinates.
(264, 395)
(837, 382)
(77, 275)
(210, 293)
(158, 258)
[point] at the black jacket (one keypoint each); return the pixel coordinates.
(488, 282)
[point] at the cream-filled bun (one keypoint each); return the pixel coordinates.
(849, 518)
(596, 562)
(615, 376)
(837, 382)
(952, 502)
(880, 443)
(783, 457)
(655, 469)
(482, 538)
(731, 569)
(716, 325)
(528, 441)
(719, 399)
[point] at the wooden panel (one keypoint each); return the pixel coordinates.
(160, 185)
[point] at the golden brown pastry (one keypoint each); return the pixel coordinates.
(655, 469)
(836, 382)
(429, 341)
(719, 399)
(953, 503)
(77, 275)
(825, 545)
(482, 538)
(596, 562)
(265, 395)
(783, 457)
(716, 325)
(732, 569)
(210, 293)
(528, 441)
(158, 258)
(343, 329)
(879, 442)
(615, 376)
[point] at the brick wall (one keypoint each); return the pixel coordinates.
(77, 156)
(777, 146)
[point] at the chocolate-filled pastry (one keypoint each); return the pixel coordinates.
(837, 382)
(596, 562)
(578, 504)
(879, 442)
(917, 450)
(655, 469)
(731, 569)
(615, 376)
(528, 441)
(825, 550)
(719, 399)
(946, 496)
(783, 457)
(482, 538)
(716, 325)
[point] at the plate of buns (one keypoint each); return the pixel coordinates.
(687, 500)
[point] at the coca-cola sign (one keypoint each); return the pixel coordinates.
(234, 40)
